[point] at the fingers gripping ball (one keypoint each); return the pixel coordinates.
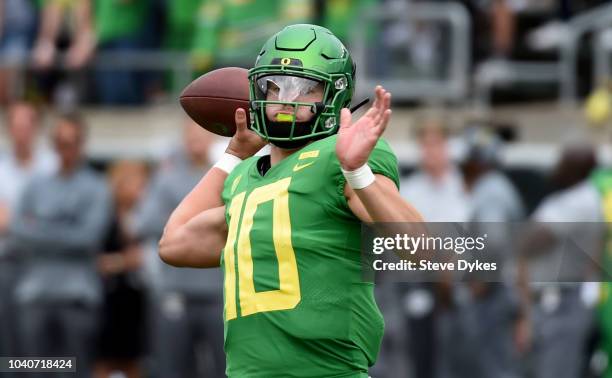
(212, 99)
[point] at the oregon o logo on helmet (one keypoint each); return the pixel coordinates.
(285, 61)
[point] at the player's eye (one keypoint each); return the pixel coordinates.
(273, 88)
(272, 93)
(312, 90)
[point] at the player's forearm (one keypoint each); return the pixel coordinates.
(206, 195)
(197, 243)
(383, 203)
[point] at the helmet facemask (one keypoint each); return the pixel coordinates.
(290, 108)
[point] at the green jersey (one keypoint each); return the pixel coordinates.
(295, 301)
(603, 182)
(119, 19)
(233, 31)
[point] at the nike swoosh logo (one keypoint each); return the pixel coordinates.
(297, 167)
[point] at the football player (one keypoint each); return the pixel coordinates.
(285, 227)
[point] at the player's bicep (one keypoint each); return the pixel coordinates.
(205, 195)
(198, 243)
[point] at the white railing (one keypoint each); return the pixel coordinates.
(602, 49)
(453, 87)
(561, 71)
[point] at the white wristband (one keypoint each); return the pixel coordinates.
(227, 163)
(360, 177)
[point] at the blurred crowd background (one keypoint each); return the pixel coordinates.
(501, 114)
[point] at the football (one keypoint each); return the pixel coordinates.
(211, 100)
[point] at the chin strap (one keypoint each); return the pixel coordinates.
(362, 103)
(318, 108)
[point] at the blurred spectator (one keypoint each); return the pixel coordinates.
(503, 26)
(477, 332)
(436, 190)
(189, 322)
(603, 181)
(58, 227)
(564, 309)
(339, 16)
(23, 160)
(494, 198)
(66, 26)
(121, 26)
(576, 164)
(65, 22)
(180, 29)
(495, 27)
(121, 343)
(232, 32)
(17, 28)
(181, 23)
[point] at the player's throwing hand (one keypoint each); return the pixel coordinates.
(245, 143)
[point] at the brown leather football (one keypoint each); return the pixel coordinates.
(212, 99)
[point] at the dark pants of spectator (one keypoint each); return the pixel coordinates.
(475, 337)
(120, 87)
(9, 272)
(422, 345)
(420, 328)
(189, 337)
(59, 329)
(560, 336)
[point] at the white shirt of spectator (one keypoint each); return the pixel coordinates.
(13, 176)
(572, 213)
(438, 200)
(579, 203)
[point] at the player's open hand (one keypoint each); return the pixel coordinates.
(245, 143)
(356, 140)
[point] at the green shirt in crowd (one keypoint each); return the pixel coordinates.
(233, 31)
(116, 19)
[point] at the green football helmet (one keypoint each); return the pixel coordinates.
(296, 61)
